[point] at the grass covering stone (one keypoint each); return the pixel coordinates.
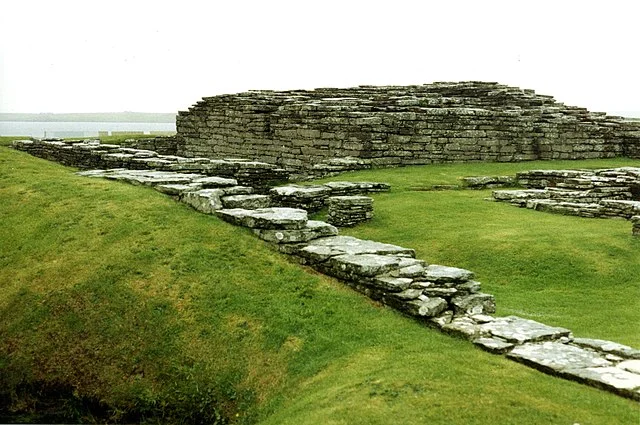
(140, 309)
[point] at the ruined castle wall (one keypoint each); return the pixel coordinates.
(387, 126)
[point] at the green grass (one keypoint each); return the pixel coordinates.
(122, 297)
(580, 273)
(6, 140)
(425, 177)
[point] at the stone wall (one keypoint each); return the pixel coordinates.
(400, 125)
(163, 145)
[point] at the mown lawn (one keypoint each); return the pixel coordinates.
(125, 301)
(579, 273)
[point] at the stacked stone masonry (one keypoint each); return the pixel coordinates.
(91, 154)
(163, 145)
(604, 193)
(335, 129)
(346, 211)
(447, 298)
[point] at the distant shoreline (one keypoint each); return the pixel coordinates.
(131, 117)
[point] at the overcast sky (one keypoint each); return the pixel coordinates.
(163, 56)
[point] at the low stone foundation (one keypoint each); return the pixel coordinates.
(605, 193)
(163, 145)
(91, 154)
(347, 211)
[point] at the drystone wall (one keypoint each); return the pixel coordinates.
(163, 145)
(604, 193)
(447, 298)
(91, 154)
(334, 129)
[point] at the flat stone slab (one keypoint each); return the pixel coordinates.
(425, 306)
(555, 357)
(313, 230)
(362, 265)
(632, 366)
(214, 182)
(266, 218)
(445, 274)
(177, 189)
(493, 345)
(301, 192)
(356, 188)
(148, 178)
(580, 365)
(519, 331)
(474, 304)
(249, 202)
(519, 195)
(608, 347)
(205, 200)
(613, 379)
(391, 284)
(322, 249)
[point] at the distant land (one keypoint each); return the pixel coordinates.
(135, 117)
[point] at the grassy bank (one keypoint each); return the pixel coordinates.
(138, 308)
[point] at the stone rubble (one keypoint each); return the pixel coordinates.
(347, 211)
(447, 298)
(604, 193)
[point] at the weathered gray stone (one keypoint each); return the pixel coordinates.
(474, 304)
(313, 230)
(345, 211)
(488, 182)
(392, 284)
(464, 327)
(266, 218)
(152, 178)
(554, 357)
(632, 366)
(426, 307)
(352, 266)
(610, 378)
(608, 347)
(442, 319)
(413, 268)
(356, 188)
(177, 189)
(445, 274)
(494, 345)
(215, 182)
(321, 249)
(249, 202)
(205, 200)
(310, 198)
(406, 295)
(518, 330)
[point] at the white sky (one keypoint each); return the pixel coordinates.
(163, 56)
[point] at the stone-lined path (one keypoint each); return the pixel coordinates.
(447, 298)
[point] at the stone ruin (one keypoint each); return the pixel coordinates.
(330, 130)
(603, 193)
(443, 297)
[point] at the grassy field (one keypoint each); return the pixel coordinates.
(579, 273)
(118, 303)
